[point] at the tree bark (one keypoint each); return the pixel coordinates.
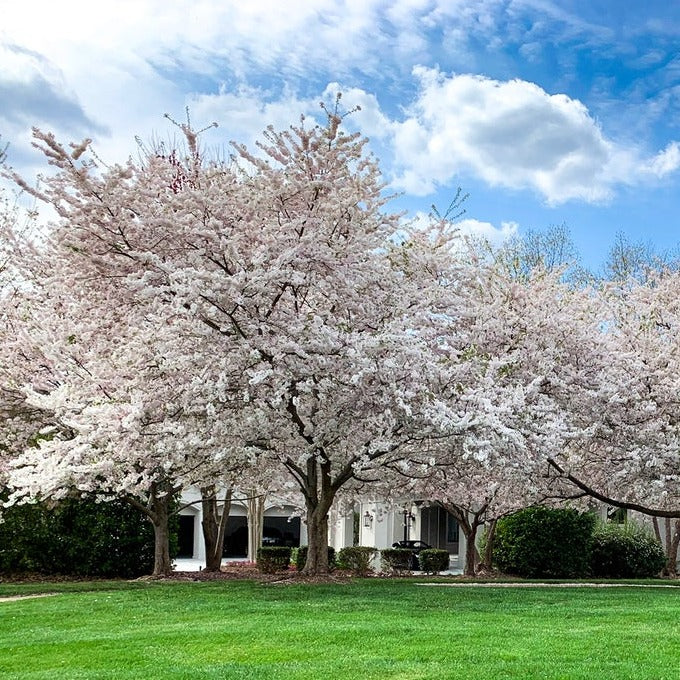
(469, 524)
(487, 560)
(255, 523)
(162, 565)
(673, 551)
(214, 525)
(671, 543)
(157, 511)
(317, 540)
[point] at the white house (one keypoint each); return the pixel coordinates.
(370, 523)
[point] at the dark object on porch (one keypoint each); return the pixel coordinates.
(415, 547)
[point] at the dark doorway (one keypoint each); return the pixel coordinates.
(281, 531)
(236, 537)
(439, 529)
(185, 537)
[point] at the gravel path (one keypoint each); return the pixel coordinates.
(547, 585)
(13, 598)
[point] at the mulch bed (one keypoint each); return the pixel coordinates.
(250, 573)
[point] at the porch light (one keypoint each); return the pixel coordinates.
(368, 519)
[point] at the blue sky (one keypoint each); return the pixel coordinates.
(545, 112)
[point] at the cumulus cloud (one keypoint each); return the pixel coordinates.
(665, 161)
(33, 92)
(486, 231)
(477, 230)
(115, 69)
(243, 114)
(512, 134)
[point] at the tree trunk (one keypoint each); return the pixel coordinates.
(214, 525)
(162, 565)
(672, 549)
(255, 523)
(471, 552)
(469, 528)
(317, 540)
(487, 560)
(670, 542)
(160, 518)
(157, 510)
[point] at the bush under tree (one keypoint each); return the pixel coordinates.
(625, 551)
(397, 559)
(433, 560)
(271, 559)
(78, 537)
(540, 542)
(356, 559)
(300, 557)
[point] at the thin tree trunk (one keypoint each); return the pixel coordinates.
(487, 560)
(214, 525)
(670, 542)
(469, 528)
(255, 523)
(672, 551)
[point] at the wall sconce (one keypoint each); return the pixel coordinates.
(368, 519)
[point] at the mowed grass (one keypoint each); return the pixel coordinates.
(361, 630)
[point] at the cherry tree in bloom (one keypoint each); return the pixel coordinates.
(125, 378)
(194, 314)
(514, 355)
(22, 424)
(337, 345)
(631, 459)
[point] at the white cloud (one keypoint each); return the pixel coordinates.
(111, 69)
(476, 229)
(495, 236)
(122, 64)
(665, 161)
(244, 114)
(512, 134)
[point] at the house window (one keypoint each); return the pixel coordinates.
(451, 529)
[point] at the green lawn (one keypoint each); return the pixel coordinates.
(365, 629)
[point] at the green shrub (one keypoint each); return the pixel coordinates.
(78, 537)
(433, 560)
(300, 557)
(271, 559)
(542, 542)
(625, 551)
(357, 559)
(396, 559)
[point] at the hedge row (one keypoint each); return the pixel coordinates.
(542, 542)
(356, 559)
(78, 538)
